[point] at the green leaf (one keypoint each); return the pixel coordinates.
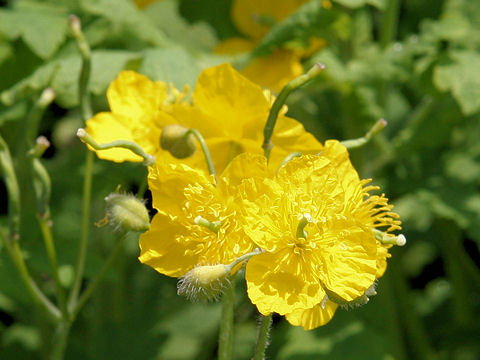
(42, 27)
(461, 76)
(127, 19)
(173, 65)
(195, 37)
(62, 76)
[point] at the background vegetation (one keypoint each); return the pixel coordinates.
(414, 63)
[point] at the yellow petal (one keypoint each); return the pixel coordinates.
(168, 179)
(231, 100)
(244, 166)
(314, 317)
(136, 96)
(160, 249)
(348, 263)
(290, 136)
(280, 283)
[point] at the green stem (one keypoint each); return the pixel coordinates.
(206, 152)
(417, 335)
(60, 339)
(82, 248)
(13, 190)
(86, 113)
(38, 297)
(124, 144)
(45, 226)
(374, 130)
(280, 101)
(225, 340)
(262, 337)
(98, 278)
(450, 236)
(84, 49)
(388, 32)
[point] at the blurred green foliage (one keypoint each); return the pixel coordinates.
(414, 63)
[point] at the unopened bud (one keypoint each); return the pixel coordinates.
(177, 141)
(127, 212)
(204, 283)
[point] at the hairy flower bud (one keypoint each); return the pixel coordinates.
(127, 212)
(204, 283)
(176, 140)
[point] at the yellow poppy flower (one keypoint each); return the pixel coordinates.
(315, 221)
(197, 222)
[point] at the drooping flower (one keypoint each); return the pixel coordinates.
(197, 222)
(315, 221)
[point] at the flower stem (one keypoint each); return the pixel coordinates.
(124, 144)
(262, 337)
(45, 226)
(206, 152)
(59, 341)
(39, 298)
(82, 248)
(225, 340)
(374, 130)
(390, 22)
(98, 278)
(280, 101)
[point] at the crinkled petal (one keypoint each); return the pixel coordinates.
(314, 317)
(382, 256)
(279, 283)
(168, 180)
(349, 262)
(160, 249)
(244, 166)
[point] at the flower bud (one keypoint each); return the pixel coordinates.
(176, 140)
(204, 283)
(127, 212)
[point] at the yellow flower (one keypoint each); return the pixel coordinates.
(135, 103)
(197, 222)
(315, 221)
(230, 112)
